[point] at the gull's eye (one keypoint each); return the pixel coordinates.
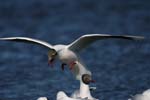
(86, 78)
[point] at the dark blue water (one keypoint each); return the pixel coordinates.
(120, 68)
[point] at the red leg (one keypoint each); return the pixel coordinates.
(72, 64)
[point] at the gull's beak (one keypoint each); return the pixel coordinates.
(92, 81)
(50, 61)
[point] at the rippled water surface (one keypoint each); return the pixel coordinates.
(121, 68)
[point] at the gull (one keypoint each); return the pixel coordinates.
(82, 94)
(68, 54)
(144, 96)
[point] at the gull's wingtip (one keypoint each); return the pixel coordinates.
(8, 38)
(140, 37)
(2, 39)
(136, 37)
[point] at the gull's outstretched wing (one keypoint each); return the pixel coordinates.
(86, 40)
(28, 40)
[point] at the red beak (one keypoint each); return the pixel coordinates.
(50, 62)
(92, 81)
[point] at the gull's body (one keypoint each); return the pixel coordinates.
(67, 54)
(83, 92)
(62, 96)
(64, 54)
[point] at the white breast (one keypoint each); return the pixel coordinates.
(67, 56)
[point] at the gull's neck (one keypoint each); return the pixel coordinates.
(84, 91)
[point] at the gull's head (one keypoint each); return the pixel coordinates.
(86, 79)
(51, 56)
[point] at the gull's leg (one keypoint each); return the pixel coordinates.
(63, 66)
(72, 64)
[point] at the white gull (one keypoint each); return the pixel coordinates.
(67, 54)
